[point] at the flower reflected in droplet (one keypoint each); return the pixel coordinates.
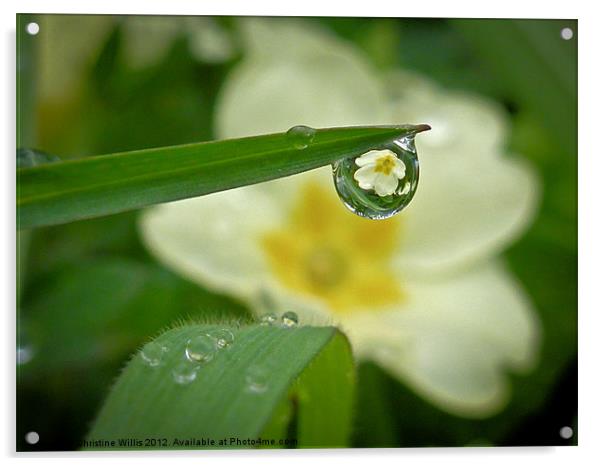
(380, 170)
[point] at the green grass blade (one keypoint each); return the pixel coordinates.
(310, 379)
(66, 191)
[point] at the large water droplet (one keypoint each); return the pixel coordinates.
(301, 136)
(289, 319)
(201, 348)
(223, 337)
(184, 372)
(152, 353)
(381, 182)
(31, 158)
(257, 379)
(269, 319)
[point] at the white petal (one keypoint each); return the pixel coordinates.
(454, 339)
(458, 120)
(212, 239)
(399, 169)
(366, 177)
(386, 185)
(466, 208)
(372, 156)
(295, 74)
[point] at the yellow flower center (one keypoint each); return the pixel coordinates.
(385, 164)
(327, 252)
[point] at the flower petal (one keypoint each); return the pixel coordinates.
(399, 169)
(295, 74)
(465, 209)
(454, 339)
(459, 120)
(366, 177)
(212, 239)
(386, 184)
(371, 157)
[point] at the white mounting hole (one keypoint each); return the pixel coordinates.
(566, 33)
(566, 432)
(32, 28)
(32, 438)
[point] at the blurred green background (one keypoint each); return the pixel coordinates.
(89, 293)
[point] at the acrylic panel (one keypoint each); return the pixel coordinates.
(317, 232)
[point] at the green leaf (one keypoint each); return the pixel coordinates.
(309, 377)
(66, 191)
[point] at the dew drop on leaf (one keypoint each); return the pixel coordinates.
(268, 319)
(201, 348)
(152, 353)
(289, 319)
(184, 372)
(257, 379)
(223, 337)
(300, 136)
(381, 182)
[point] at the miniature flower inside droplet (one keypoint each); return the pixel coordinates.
(381, 182)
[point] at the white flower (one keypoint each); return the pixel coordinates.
(380, 171)
(422, 293)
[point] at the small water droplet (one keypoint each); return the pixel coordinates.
(269, 319)
(201, 348)
(257, 379)
(184, 372)
(289, 319)
(152, 353)
(223, 337)
(301, 136)
(381, 182)
(27, 158)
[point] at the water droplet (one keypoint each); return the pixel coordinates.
(269, 319)
(27, 158)
(152, 353)
(184, 372)
(201, 348)
(289, 319)
(223, 337)
(301, 136)
(257, 379)
(381, 182)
